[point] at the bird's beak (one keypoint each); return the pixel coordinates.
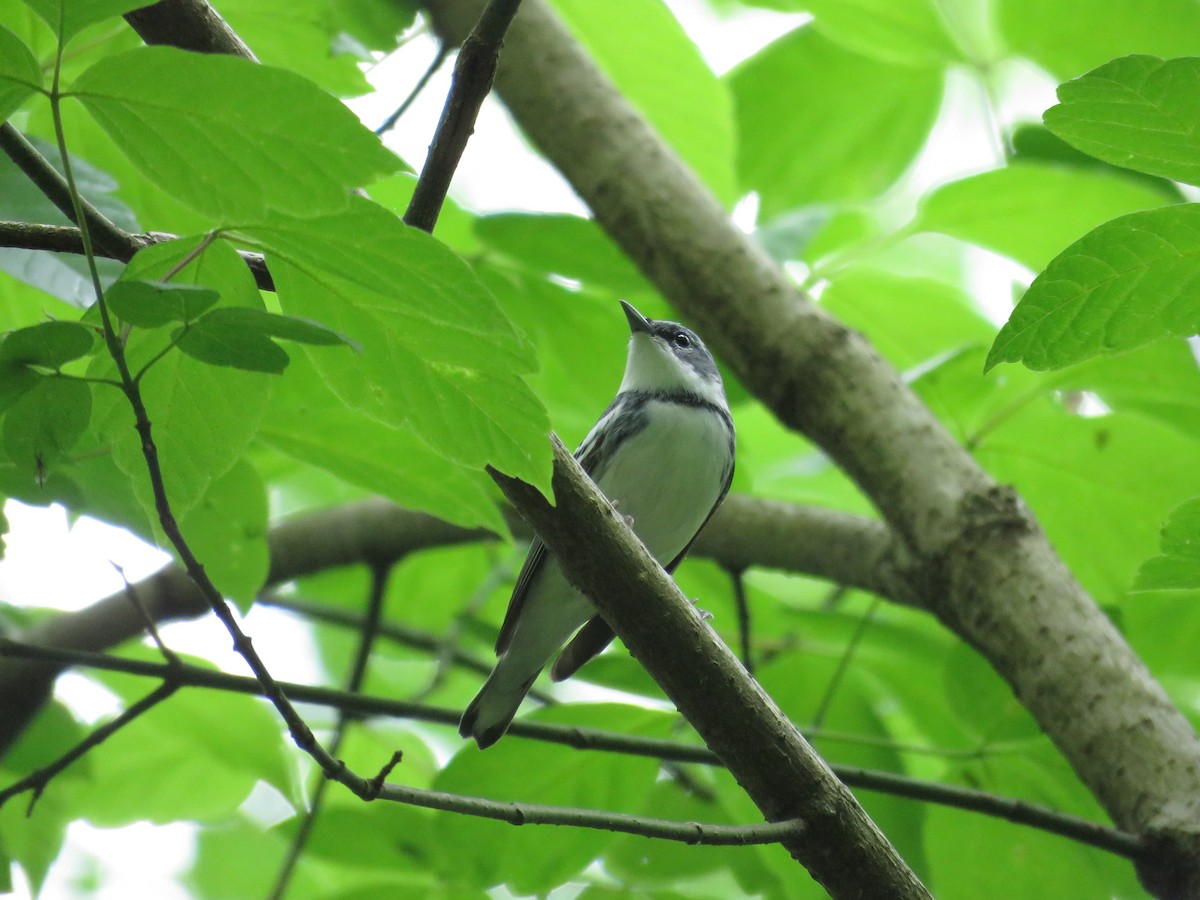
(637, 322)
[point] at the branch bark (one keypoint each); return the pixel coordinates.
(839, 845)
(977, 552)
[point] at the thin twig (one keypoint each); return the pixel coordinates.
(390, 122)
(399, 633)
(37, 781)
(843, 665)
(358, 670)
(151, 628)
(743, 616)
(538, 814)
(1016, 811)
(473, 73)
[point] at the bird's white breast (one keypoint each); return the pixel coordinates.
(668, 476)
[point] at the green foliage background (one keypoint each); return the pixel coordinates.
(466, 349)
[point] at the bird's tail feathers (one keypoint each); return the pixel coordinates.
(488, 716)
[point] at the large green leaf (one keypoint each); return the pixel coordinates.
(818, 123)
(1005, 209)
(20, 74)
(1139, 111)
(893, 31)
(563, 245)
(49, 344)
(233, 139)
(646, 52)
(481, 853)
(1130, 281)
(148, 304)
(437, 352)
(1101, 486)
(207, 750)
(203, 416)
(46, 421)
(1178, 567)
(1069, 37)
(307, 421)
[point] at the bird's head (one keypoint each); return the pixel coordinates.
(665, 356)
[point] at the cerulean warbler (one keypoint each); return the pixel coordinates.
(663, 454)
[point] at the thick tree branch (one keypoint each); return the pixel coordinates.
(978, 554)
(1015, 811)
(840, 846)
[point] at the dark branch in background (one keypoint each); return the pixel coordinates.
(473, 73)
(390, 122)
(67, 239)
(744, 532)
(112, 240)
(742, 606)
(358, 670)
(1016, 811)
(393, 631)
(841, 847)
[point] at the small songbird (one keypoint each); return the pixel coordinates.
(663, 454)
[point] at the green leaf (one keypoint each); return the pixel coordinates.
(1140, 112)
(1127, 283)
(1035, 143)
(46, 422)
(894, 31)
(1082, 475)
(227, 530)
(1004, 209)
(308, 422)
(480, 853)
(564, 245)
(76, 15)
(49, 344)
(240, 337)
(20, 74)
(148, 304)
(1066, 37)
(437, 352)
(819, 123)
(661, 72)
(1178, 568)
(203, 416)
(207, 750)
(233, 139)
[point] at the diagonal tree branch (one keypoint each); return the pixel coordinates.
(977, 552)
(840, 846)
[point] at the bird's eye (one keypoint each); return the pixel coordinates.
(681, 341)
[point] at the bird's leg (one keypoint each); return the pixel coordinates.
(628, 520)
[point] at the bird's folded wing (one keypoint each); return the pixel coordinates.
(593, 637)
